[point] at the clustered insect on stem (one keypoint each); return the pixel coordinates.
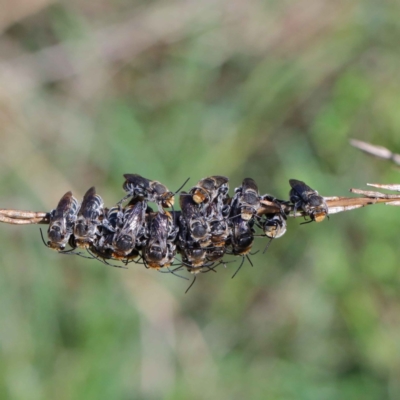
(209, 225)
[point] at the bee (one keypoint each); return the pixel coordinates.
(148, 190)
(192, 250)
(62, 221)
(194, 220)
(219, 229)
(160, 248)
(195, 258)
(207, 189)
(121, 233)
(215, 252)
(274, 226)
(128, 237)
(102, 246)
(88, 219)
(242, 234)
(308, 200)
(248, 198)
(102, 253)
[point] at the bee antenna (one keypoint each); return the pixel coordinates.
(173, 273)
(250, 260)
(186, 264)
(138, 261)
(41, 234)
(307, 222)
(177, 259)
(184, 183)
(177, 269)
(227, 262)
(258, 225)
(234, 216)
(240, 266)
(267, 246)
(194, 280)
(71, 252)
(210, 266)
(105, 262)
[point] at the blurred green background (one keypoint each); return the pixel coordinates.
(170, 89)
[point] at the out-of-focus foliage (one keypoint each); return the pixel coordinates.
(171, 89)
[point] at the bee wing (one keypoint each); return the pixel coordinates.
(92, 205)
(64, 205)
(249, 184)
(188, 205)
(159, 228)
(220, 180)
(158, 187)
(301, 189)
(134, 218)
(138, 180)
(207, 183)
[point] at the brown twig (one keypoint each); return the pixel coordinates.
(20, 217)
(335, 205)
(376, 151)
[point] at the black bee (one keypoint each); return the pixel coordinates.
(129, 236)
(215, 253)
(274, 226)
(207, 189)
(191, 248)
(103, 254)
(89, 219)
(242, 233)
(121, 233)
(242, 236)
(113, 221)
(154, 191)
(62, 221)
(308, 200)
(193, 256)
(248, 198)
(194, 259)
(102, 246)
(193, 220)
(160, 248)
(217, 217)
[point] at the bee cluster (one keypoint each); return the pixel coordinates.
(209, 225)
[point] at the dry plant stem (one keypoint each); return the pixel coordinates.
(376, 195)
(16, 221)
(377, 151)
(23, 214)
(20, 217)
(335, 205)
(395, 187)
